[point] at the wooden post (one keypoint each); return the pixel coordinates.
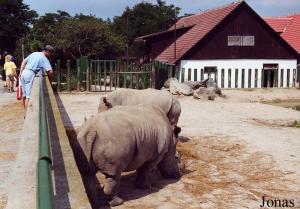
(78, 74)
(255, 78)
(110, 74)
(124, 74)
(229, 78)
(131, 75)
(105, 74)
(144, 77)
(100, 74)
(262, 78)
(98, 83)
(58, 75)
(153, 76)
(87, 76)
(275, 78)
(288, 78)
(118, 73)
(68, 75)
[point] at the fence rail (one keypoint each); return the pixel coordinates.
(108, 75)
(44, 182)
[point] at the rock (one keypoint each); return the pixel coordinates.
(180, 88)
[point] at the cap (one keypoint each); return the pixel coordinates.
(48, 48)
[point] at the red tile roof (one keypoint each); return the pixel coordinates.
(288, 27)
(202, 24)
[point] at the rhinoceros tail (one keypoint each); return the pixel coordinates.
(83, 150)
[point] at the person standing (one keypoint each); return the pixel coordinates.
(10, 72)
(30, 66)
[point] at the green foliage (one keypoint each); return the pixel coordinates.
(296, 124)
(87, 36)
(15, 19)
(144, 18)
(73, 37)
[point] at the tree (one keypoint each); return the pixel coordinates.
(86, 36)
(41, 33)
(15, 21)
(144, 18)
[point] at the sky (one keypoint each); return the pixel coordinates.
(110, 8)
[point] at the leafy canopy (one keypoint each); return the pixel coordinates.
(15, 21)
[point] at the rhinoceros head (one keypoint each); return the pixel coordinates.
(169, 167)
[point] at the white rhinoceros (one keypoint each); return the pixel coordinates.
(126, 138)
(126, 97)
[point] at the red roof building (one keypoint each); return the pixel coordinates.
(231, 44)
(288, 27)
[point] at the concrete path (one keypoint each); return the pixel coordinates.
(11, 124)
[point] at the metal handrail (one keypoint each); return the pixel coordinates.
(44, 182)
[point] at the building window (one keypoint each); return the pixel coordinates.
(234, 41)
(248, 41)
(241, 41)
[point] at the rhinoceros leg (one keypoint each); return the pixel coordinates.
(111, 186)
(143, 178)
(90, 185)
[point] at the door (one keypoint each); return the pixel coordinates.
(270, 75)
(210, 72)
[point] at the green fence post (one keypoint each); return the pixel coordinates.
(105, 69)
(87, 77)
(117, 73)
(78, 74)
(58, 76)
(124, 73)
(144, 77)
(100, 74)
(131, 75)
(68, 75)
(97, 75)
(110, 74)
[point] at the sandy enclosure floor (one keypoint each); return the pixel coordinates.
(239, 151)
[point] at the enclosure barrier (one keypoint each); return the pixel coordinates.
(243, 78)
(108, 75)
(44, 183)
(45, 174)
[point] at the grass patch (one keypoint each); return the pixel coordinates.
(1, 69)
(296, 124)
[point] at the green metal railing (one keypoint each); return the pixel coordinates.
(44, 182)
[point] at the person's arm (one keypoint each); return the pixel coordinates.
(15, 70)
(48, 68)
(5, 66)
(22, 67)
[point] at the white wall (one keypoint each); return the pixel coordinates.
(239, 64)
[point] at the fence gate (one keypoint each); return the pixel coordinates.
(107, 75)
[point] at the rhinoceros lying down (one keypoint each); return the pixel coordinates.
(127, 138)
(127, 97)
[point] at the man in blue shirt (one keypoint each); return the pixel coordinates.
(30, 66)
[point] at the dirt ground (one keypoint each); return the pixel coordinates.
(11, 121)
(238, 151)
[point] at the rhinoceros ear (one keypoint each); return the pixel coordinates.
(176, 131)
(107, 104)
